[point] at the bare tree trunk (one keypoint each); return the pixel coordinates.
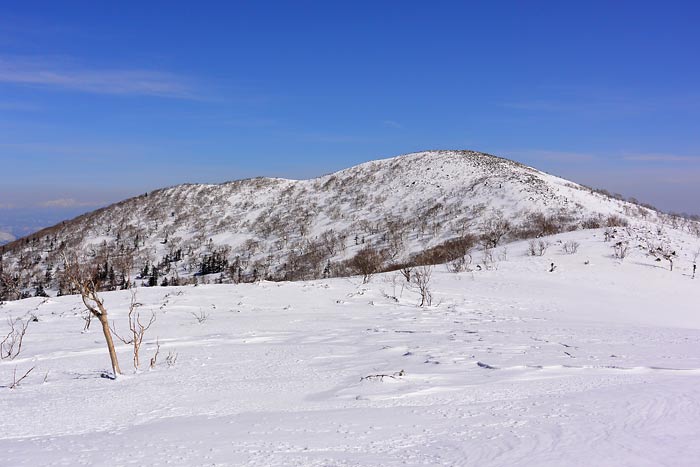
(82, 280)
(110, 345)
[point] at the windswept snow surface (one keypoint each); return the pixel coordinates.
(592, 364)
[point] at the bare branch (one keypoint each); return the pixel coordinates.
(201, 317)
(11, 344)
(381, 376)
(137, 329)
(15, 381)
(421, 281)
(154, 359)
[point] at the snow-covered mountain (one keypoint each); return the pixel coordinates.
(401, 207)
(585, 340)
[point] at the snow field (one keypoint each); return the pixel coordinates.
(593, 364)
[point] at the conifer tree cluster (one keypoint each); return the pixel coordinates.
(213, 263)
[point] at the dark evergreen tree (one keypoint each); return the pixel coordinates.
(39, 291)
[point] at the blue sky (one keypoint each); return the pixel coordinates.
(99, 102)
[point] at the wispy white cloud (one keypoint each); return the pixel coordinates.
(67, 203)
(535, 105)
(19, 106)
(316, 137)
(595, 105)
(559, 156)
(7, 205)
(611, 156)
(601, 102)
(252, 122)
(661, 158)
(86, 152)
(53, 74)
(392, 124)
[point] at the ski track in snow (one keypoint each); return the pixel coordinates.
(596, 364)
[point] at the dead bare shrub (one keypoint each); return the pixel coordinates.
(137, 329)
(487, 259)
(591, 223)
(616, 221)
(460, 264)
(171, 359)
(621, 250)
(11, 344)
(495, 229)
(571, 247)
(421, 281)
(381, 376)
(366, 262)
(662, 252)
(201, 317)
(16, 381)
(542, 224)
(450, 250)
(608, 234)
(537, 247)
(154, 358)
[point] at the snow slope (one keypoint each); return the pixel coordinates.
(596, 363)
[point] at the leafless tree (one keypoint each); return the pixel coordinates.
(663, 252)
(9, 286)
(11, 344)
(366, 262)
(83, 280)
(570, 247)
(608, 234)
(460, 264)
(421, 281)
(621, 250)
(406, 273)
(330, 242)
(537, 247)
(542, 224)
(495, 228)
(487, 258)
(125, 264)
(137, 329)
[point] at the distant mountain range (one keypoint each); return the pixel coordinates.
(6, 237)
(20, 222)
(409, 208)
